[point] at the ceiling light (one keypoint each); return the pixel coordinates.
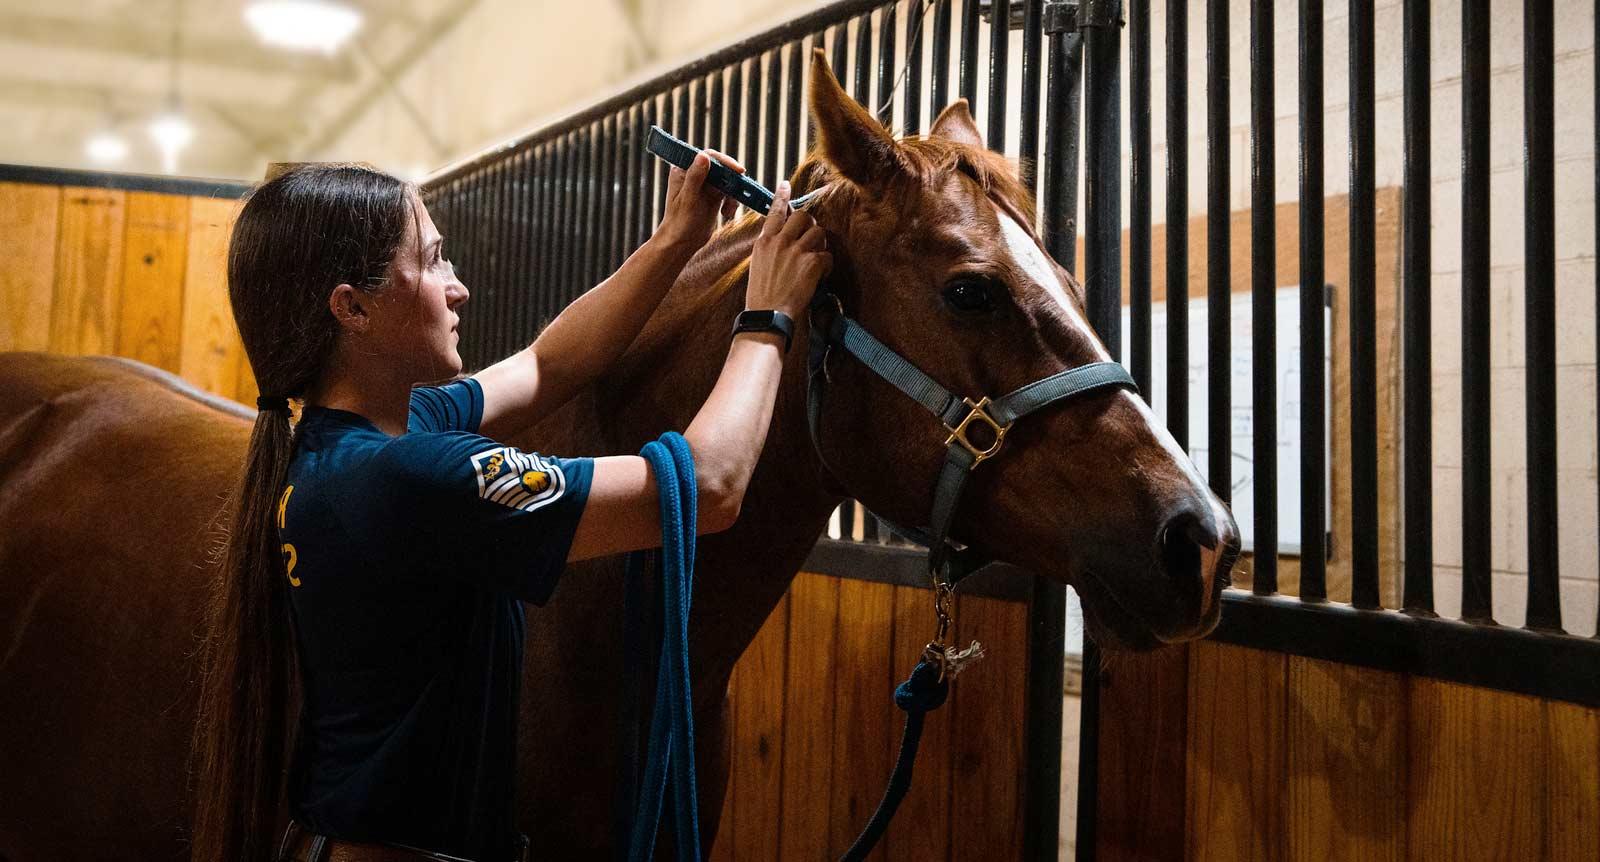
(303, 25)
(107, 148)
(171, 133)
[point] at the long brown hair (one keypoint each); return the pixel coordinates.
(298, 236)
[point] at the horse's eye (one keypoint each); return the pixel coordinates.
(970, 295)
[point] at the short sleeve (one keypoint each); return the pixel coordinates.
(455, 406)
(493, 515)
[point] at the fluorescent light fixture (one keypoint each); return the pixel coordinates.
(303, 25)
(171, 132)
(107, 148)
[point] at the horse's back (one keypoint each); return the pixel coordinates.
(112, 476)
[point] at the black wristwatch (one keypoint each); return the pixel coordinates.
(765, 321)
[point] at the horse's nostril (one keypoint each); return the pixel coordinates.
(1180, 551)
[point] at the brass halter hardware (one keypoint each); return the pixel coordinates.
(958, 434)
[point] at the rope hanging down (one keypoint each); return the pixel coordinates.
(672, 721)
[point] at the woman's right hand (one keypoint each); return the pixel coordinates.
(791, 256)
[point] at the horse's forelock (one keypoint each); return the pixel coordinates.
(925, 161)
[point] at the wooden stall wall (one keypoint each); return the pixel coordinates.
(1220, 752)
(816, 729)
(126, 273)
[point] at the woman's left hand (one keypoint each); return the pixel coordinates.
(692, 206)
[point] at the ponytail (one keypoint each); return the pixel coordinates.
(250, 688)
(298, 236)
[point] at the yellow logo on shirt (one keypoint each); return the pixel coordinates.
(520, 480)
(491, 468)
(290, 557)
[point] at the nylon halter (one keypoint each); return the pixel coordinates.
(947, 564)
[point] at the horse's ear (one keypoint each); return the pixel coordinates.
(848, 137)
(955, 123)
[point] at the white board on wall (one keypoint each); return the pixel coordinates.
(1287, 383)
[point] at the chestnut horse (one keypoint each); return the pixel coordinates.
(112, 476)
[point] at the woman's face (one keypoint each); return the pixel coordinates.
(416, 316)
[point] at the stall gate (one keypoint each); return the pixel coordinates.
(1335, 713)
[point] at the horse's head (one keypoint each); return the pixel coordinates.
(934, 254)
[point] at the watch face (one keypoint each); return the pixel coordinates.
(760, 318)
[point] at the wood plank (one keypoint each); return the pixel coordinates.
(1574, 799)
(29, 219)
(864, 714)
(920, 831)
(83, 314)
(988, 709)
(1236, 763)
(1347, 762)
(155, 252)
(808, 718)
(211, 352)
(758, 722)
(1476, 773)
(1144, 704)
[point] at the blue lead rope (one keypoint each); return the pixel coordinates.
(921, 693)
(671, 747)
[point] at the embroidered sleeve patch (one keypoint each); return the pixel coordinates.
(517, 479)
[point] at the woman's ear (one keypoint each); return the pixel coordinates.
(349, 309)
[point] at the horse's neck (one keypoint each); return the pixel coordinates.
(662, 382)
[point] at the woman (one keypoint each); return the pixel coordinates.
(382, 544)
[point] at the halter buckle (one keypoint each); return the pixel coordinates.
(958, 434)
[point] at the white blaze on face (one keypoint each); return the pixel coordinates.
(1031, 258)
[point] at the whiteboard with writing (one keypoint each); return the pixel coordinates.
(1287, 383)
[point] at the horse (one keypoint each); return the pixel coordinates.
(113, 477)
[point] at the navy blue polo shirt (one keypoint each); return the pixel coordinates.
(409, 558)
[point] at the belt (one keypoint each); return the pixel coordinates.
(302, 845)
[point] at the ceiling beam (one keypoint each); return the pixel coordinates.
(143, 40)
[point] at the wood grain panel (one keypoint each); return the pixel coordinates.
(808, 718)
(83, 315)
(988, 708)
(1347, 762)
(1144, 704)
(29, 219)
(757, 766)
(921, 830)
(155, 252)
(1236, 760)
(1574, 800)
(211, 352)
(865, 719)
(1476, 774)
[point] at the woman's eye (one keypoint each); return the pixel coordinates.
(970, 295)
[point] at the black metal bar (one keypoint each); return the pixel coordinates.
(569, 222)
(1178, 221)
(1047, 634)
(999, 73)
(1089, 754)
(1417, 312)
(1028, 137)
(495, 324)
(1313, 302)
(636, 179)
(644, 192)
(733, 107)
(1219, 398)
(1139, 192)
(1102, 264)
(1539, 239)
(527, 286)
(1363, 315)
(913, 101)
(1476, 591)
(793, 108)
(1061, 135)
(544, 212)
(591, 211)
(888, 23)
(840, 51)
(772, 100)
(711, 129)
(604, 203)
(1505, 658)
(1263, 301)
(969, 51)
(752, 124)
(861, 90)
(621, 169)
(939, 60)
